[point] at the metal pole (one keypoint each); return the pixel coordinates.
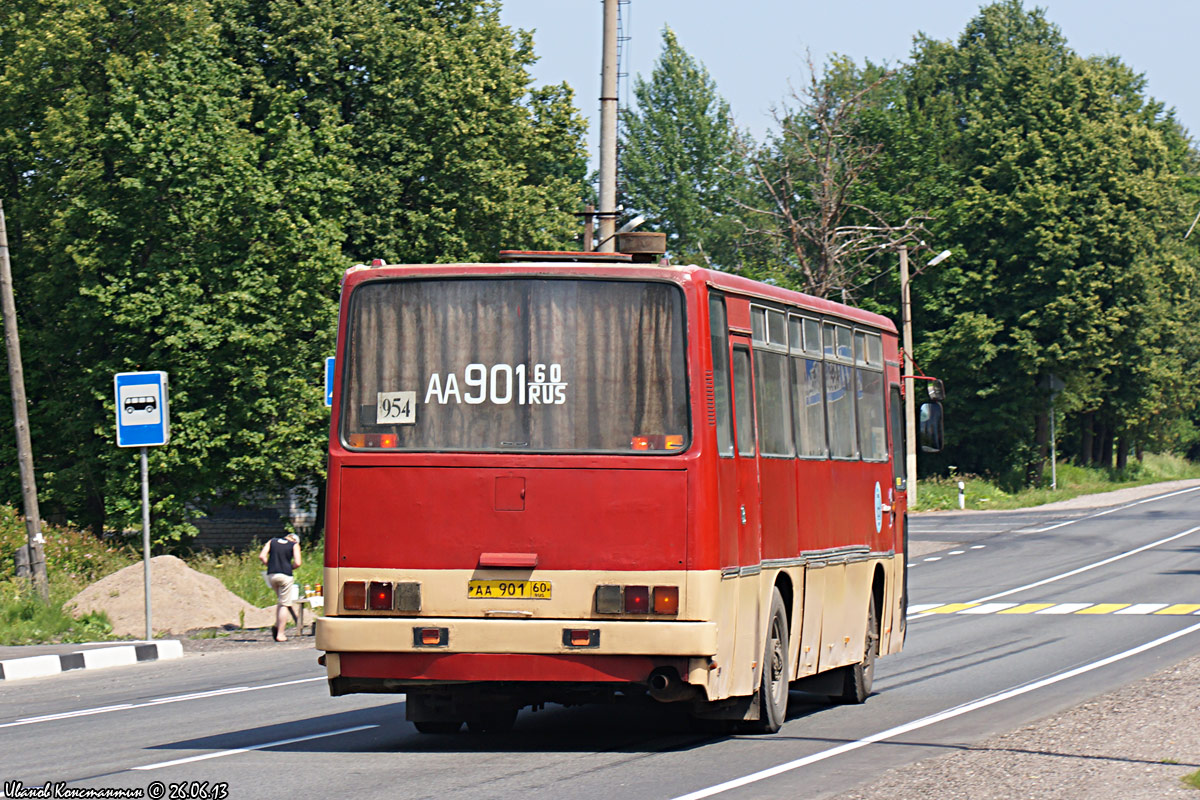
(146, 538)
(608, 131)
(16, 377)
(910, 419)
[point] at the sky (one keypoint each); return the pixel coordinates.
(756, 50)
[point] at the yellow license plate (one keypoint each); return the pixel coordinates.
(508, 590)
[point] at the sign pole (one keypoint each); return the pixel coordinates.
(146, 538)
(143, 420)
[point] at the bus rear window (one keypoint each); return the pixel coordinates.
(532, 365)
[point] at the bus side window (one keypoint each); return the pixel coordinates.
(774, 403)
(719, 337)
(808, 406)
(899, 448)
(744, 413)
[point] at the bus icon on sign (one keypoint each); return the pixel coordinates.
(133, 404)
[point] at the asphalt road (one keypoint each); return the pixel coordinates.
(1001, 648)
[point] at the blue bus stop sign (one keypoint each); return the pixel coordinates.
(329, 381)
(142, 415)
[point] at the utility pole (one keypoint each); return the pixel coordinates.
(910, 420)
(608, 131)
(16, 377)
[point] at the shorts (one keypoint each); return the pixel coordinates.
(286, 591)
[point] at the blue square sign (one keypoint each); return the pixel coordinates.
(142, 415)
(329, 362)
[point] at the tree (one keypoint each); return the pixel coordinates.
(681, 160)
(1064, 173)
(186, 183)
(813, 208)
(448, 153)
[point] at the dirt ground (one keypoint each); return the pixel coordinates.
(181, 600)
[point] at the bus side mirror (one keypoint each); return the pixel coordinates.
(930, 432)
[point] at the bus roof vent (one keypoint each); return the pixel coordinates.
(643, 247)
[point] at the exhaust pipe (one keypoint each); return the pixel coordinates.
(666, 686)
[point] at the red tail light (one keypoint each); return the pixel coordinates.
(381, 596)
(637, 599)
(354, 595)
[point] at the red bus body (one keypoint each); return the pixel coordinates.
(726, 531)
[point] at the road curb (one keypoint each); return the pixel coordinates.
(120, 655)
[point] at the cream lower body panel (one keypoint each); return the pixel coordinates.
(525, 636)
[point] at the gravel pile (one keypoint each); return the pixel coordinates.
(181, 599)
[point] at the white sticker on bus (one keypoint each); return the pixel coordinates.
(397, 408)
(500, 384)
(878, 508)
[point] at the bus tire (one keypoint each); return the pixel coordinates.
(859, 677)
(438, 726)
(773, 687)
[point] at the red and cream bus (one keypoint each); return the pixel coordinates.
(557, 481)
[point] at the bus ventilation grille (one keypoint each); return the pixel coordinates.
(711, 396)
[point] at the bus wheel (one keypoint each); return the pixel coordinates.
(499, 721)
(440, 726)
(773, 689)
(859, 677)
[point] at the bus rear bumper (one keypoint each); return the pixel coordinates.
(373, 654)
(506, 636)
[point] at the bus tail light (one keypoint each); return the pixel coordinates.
(385, 440)
(637, 599)
(380, 595)
(431, 637)
(354, 595)
(612, 599)
(581, 638)
(666, 599)
(608, 600)
(408, 597)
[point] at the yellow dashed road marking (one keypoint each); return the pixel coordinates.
(1143, 609)
(1104, 608)
(951, 608)
(1026, 608)
(1180, 608)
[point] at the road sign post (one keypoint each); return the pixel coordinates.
(143, 420)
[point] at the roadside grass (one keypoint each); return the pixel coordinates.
(942, 492)
(74, 559)
(1192, 780)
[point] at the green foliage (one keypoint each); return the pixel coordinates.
(74, 559)
(185, 184)
(681, 160)
(1067, 195)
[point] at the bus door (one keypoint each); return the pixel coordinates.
(748, 649)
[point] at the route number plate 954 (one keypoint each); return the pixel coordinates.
(508, 590)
